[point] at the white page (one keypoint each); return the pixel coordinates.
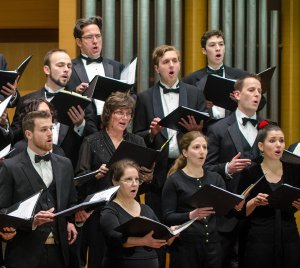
(128, 73)
(25, 210)
(104, 195)
(4, 152)
(4, 104)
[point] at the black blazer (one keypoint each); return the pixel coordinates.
(68, 139)
(149, 106)
(111, 68)
(18, 181)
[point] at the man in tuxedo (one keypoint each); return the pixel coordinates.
(58, 69)
(9, 89)
(232, 144)
(45, 242)
(6, 134)
(155, 103)
(213, 47)
(88, 36)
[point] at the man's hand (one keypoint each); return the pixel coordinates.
(10, 89)
(76, 115)
(72, 233)
(154, 127)
(3, 119)
(43, 217)
(191, 124)
(237, 164)
(7, 233)
(81, 88)
(209, 104)
(81, 216)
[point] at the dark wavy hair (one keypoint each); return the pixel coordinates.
(81, 23)
(210, 34)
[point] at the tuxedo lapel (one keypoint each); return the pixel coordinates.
(182, 95)
(234, 133)
(63, 130)
(78, 67)
(56, 170)
(108, 69)
(31, 174)
(158, 107)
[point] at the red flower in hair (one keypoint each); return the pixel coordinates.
(262, 124)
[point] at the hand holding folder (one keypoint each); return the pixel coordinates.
(11, 76)
(20, 214)
(220, 199)
(140, 226)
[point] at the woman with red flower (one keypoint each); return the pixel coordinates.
(273, 239)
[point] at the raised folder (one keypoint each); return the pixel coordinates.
(140, 226)
(102, 86)
(290, 157)
(210, 195)
(283, 197)
(172, 119)
(217, 89)
(11, 76)
(91, 202)
(19, 214)
(64, 100)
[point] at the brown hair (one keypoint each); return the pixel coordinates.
(184, 144)
(238, 86)
(210, 34)
(117, 100)
(160, 51)
(49, 54)
(263, 132)
(81, 23)
(28, 120)
(118, 168)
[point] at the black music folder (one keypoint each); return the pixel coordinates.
(172, 119)
(143, 156)
(84, 178)
(290, 157)
(11, 76)
(19, 214)
(102, 86)
(247, 191)
(283, 197)
(91, 202)
(220, 199)
(140, 226)
(64, 100)
(217, 89)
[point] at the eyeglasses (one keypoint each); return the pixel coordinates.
(123, 114)
(131, 180)
(90, 38)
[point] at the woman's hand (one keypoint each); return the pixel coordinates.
(101, 172)
(146, 174)
(8, 233)
(260, 200)
(201, 213)
(240, 205)
(296, 204)
(72, 233)
(151, 242)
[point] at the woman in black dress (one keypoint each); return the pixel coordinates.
(199, 245)
(122, 251)
(273, 239)
(95, 152)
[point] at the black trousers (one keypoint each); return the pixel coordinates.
(52, 257)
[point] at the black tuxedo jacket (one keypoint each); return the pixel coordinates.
(18, 181)
(149, 106)
(111, 68)
(224, 142)
(68, 139)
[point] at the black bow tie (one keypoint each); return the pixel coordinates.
(38, 158)
(247, 119)
(169, 90)
(49, 94)
(216, 72)
(89, 60)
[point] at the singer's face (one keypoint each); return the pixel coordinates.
(197, 151)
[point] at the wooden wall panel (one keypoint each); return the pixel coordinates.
(29, 14)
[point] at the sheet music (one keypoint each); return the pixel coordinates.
(128, 73)
(4, 152)
(4, 104)
(105, 195)
(25, 209)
